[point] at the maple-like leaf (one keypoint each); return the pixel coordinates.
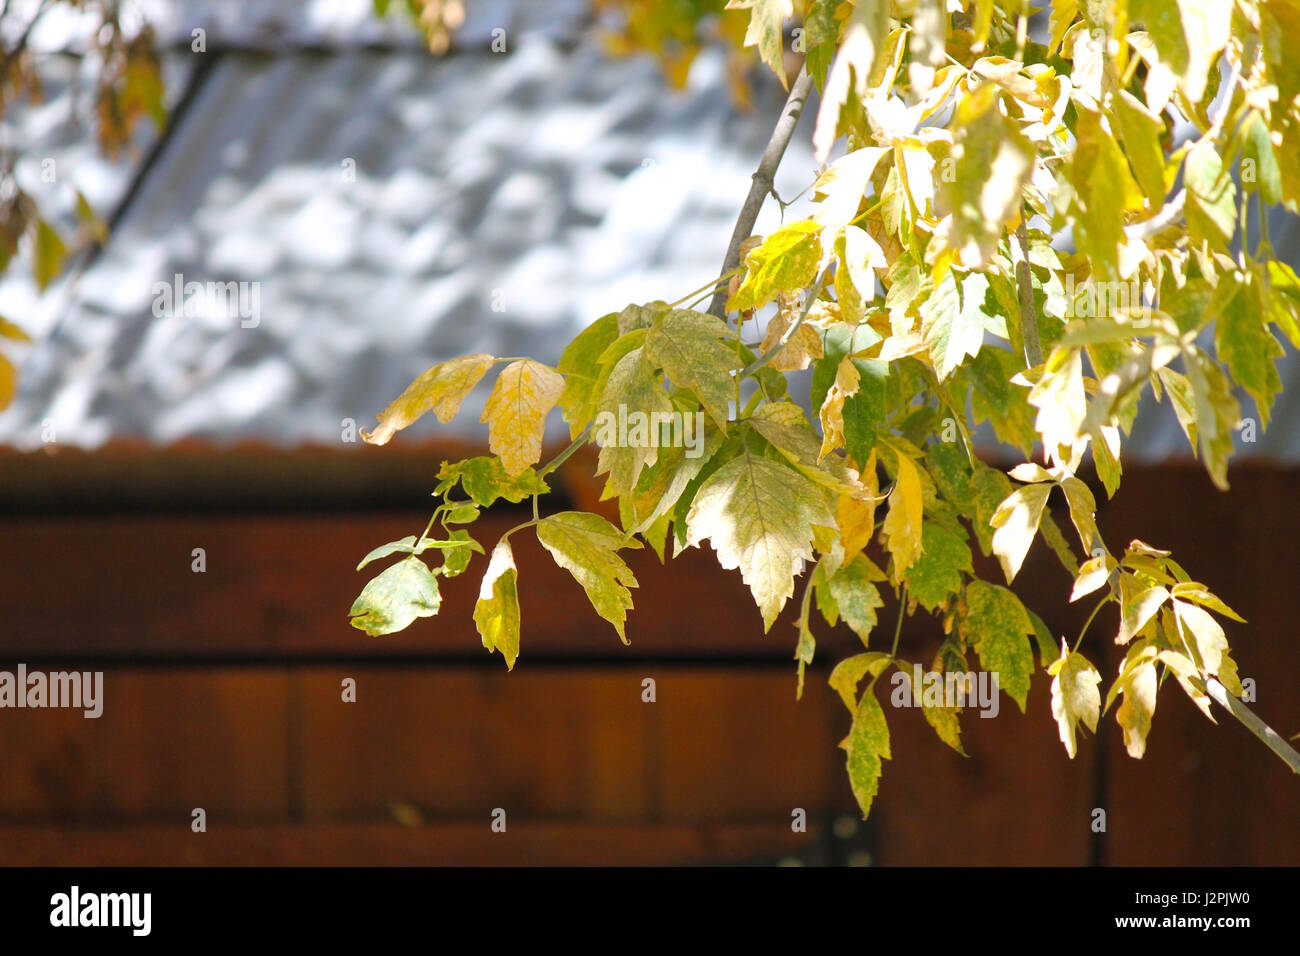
(632, 386)
(687, 346)
(587, 546)
(496, 613)
(759, 515)
(1075, 696)
(952, 320)
(516, 412)
(440, 388)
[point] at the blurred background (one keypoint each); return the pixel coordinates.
(381, 208)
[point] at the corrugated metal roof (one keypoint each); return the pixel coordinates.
(499, 203)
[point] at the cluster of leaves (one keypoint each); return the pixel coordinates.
(929, 292)
(128, 90)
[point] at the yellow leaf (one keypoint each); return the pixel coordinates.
(516, 412)
(1138, 686)
(496, 615)
(902, 527)
(1075, 696)
(440, 388)
(847, 379)
(1015, 523)
(856, 517)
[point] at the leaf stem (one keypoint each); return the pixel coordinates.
(1088, 623)
(775, 350)
(563, 456)
(898, 625)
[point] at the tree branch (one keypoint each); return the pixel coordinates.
(762, 182)
(1219, 694)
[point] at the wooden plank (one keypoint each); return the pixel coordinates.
(525, 843)
(466, 741)
(167, 742)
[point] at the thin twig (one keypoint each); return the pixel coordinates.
(761, 185)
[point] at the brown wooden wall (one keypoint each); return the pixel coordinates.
(223, 692)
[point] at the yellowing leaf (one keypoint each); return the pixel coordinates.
(496, 614)
(8, 381)
(856, 596)
(1138, 605)
(937, 713)
(1205, 633)
(686, 345)
(902, 526)
(862, 38)
(952, 320)
(845, 386)
(800, 349)
(1093, 574)
(516, 411)
(396, 597)
(998, 625)
(787, 260)
(1211, 197)
(50, 253)
(766, 19)
(937, 573)
(1138, 685)
(440, 388)
(1075, 696)
(580, 365)
(991, 164)
(631, 387)
(759, 517)
(866, 745)
(1015, 523)
(587, 546)
(485, 480)
(848, 674)
(1083, 509)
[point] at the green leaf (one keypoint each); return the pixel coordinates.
(516, 411)
(1211, 198)
(936, 575)
(632, 385)
(942, 718)
(1217, 412)
(686, 345)
(580, 365)
(787, 260)
(1243, 341)
(1075, 696)
(866, 745)
(400, 594)
(587, 546)
(441, 388)
(1104, 191)
(485, 480)
(1141, 131)
(855, 594)
(759, 516)
(998, 625)
(1260, 172)
(496, 613)
(952, 320)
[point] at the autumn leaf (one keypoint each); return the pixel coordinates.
(902, 526)
(485, 480)
(853, 588)
(516, 412)
(580, 365)
(587, 546)
(441, 388)
(937, 573)
(849, 673)
(1137, 684)
(759, 517)
(787, 260)
(1015, 524)
(687, 346)
(631, 386)
(766, 21)
(496, 613)
(999, 628)
(1075, 696)
(395, 598)
(866, 746)
(952, 321)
